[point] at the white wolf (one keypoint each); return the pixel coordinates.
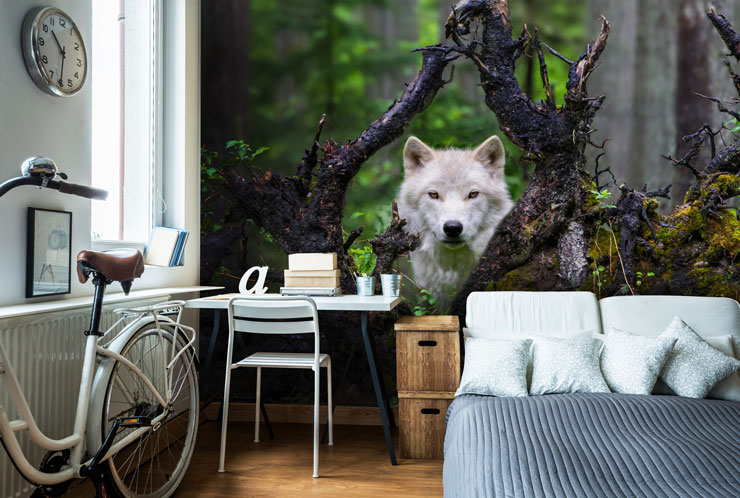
(454, 199)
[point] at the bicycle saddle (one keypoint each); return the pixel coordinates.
(118, 265)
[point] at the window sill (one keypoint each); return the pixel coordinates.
(104, 245)
(83, 302)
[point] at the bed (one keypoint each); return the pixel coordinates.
(588, 444)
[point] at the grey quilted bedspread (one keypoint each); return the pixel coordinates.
(592, 445)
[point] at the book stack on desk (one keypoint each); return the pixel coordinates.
(312, 274)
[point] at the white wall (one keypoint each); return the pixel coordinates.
(34, 123)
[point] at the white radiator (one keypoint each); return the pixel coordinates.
(46, 352)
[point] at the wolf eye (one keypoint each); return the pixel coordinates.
(433, 194)
(473, 194)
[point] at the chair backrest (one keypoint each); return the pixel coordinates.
(505, 314)
(650, 315)
(273, 315)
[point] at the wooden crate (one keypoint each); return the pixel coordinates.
(427, 353)
(422, 424)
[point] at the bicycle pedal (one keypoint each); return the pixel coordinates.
(135, 422)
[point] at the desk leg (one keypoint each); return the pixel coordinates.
(377, 384)
(211, 346)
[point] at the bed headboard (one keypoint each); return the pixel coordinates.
(650, 315)
(496, 314)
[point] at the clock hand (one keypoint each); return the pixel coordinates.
(61, 72)
(64, 56)
(58, 44)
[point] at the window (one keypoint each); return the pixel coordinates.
(126, 97)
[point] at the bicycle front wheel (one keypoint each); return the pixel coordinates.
(154, 464)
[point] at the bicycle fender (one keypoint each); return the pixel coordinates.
(94, 437)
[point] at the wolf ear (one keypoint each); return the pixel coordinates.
(415, 154)
(491, 154)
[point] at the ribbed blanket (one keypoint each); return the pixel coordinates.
(592, 445)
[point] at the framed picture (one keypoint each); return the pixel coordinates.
(49, 257)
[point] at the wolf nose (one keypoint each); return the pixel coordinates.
(452, 228)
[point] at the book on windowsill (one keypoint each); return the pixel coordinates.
(166, 247)
(310, 291)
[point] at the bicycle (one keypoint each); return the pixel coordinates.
(137, 411)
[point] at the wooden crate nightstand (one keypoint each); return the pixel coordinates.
(428, 373)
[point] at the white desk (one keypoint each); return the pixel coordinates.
(363, 304)
(323, 303)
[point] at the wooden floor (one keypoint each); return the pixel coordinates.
(357, 465)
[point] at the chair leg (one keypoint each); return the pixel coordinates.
(257, 406)
(316, 399)
(329, 402)
(225, 418)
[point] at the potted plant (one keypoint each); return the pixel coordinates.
(364, 259)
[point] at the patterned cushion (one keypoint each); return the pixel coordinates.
(566, 366)
(631, 363)
(495, 367)
(694, 367)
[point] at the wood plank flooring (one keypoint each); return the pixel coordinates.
(357, 465)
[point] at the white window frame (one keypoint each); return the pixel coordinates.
(178, 153)
(156, 202)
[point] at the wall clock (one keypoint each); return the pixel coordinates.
(54, 51)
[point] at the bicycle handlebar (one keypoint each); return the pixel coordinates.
(82, 191)
(63, 187)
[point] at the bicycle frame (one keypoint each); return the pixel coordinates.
(90, 373)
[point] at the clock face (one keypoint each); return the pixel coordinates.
(54, 51)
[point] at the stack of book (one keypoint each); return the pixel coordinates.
(166, 247)
(312, 274)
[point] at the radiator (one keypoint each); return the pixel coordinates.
(46, 352)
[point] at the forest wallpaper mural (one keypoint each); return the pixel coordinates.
(598, 144)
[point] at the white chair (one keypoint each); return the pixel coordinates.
(277, 315)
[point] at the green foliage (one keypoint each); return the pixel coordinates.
(643, 276)
(364, 259)
(215, 208)
(600, 196)
(427, 305)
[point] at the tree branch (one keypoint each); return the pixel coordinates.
(310, 156)
(585, 65)
(394, 242)
(341, 164)
(726, 32)
(352, 237)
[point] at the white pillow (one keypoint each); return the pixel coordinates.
(631, 363)
(694, 367)
(495, 367)
(519, 336)
(729, 388)
(566, 366)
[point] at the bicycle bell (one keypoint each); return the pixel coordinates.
(40, 166)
